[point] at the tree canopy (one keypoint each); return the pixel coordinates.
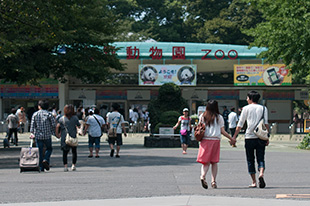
(212, 21)
(286, 33)
(57, 38)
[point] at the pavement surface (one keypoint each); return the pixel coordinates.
(155, 176)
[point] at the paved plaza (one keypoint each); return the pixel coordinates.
(155, 176)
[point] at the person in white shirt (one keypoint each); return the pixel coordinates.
(116, 120)
(209, 148)
(94, 125)
(252, 114)
(232, 122)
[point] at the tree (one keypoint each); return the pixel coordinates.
(286, 33)
(227, 27)
(57, 38)
(169, 99)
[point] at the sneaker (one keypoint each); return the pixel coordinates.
(117, 156)
(46, 165)
(73, 168)
(112, 153)
(66, 169)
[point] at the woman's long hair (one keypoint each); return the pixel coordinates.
(212, 112)
(69, 111)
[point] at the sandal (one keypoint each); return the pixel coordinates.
(261, 182)
(213, 185)
(204, 183)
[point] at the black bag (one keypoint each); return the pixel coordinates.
(6, 143)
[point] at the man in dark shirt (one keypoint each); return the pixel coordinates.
(225, 116)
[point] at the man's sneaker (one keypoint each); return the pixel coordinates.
(73, 168)
(112, 153)
(46, 165)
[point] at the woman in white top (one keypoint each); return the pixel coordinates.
(209, 148)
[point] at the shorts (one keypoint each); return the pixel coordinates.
(118, 139)
(185, 139)
(92, 140)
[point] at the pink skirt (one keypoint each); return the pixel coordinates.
(209, 151)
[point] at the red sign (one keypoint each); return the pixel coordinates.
(156, 53)
(220, 54)
(178, 52)
(133, 53)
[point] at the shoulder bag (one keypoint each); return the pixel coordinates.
(260, 130)
(71, 141)
(199, 130)
(112, 132)
(99, 125)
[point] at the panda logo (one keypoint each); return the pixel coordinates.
(148, 75)
(186, 75)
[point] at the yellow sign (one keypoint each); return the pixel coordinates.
(261, 75)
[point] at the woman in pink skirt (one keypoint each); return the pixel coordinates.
(209, 149)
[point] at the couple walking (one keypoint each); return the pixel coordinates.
(209, 149)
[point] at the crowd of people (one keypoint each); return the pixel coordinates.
(45, 123)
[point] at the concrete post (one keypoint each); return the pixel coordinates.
(63, 94)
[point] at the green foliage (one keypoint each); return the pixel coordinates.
(210, 21)
(169, 117)
(227, 27)
(286, 33)
(169, 99)
(305, 143)
(33, 31)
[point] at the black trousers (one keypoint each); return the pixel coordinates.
(11, 131)
(65, 155)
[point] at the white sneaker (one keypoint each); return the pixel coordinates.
(66, 169)
(73, 168)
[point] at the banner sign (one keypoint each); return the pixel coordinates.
(154, 75)
(48, 90)
(261, 75)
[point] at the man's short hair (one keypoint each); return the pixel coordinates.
(96, 111)
(115, 106)
(254, 96)
(232, 109)
(43, 104)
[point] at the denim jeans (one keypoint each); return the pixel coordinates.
(185, 139)
(48, 151)
(255, 147)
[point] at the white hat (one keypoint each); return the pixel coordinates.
(185, 110)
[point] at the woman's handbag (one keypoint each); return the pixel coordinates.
(260, 130)
(199, 131)
(73, 142)
(183, 132)
(70, 141)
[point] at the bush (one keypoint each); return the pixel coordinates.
(304, 144)
(169, 117)
(169, 99)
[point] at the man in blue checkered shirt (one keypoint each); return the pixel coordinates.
(43, 127)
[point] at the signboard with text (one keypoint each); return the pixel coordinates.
(154, 75)
(261, 75)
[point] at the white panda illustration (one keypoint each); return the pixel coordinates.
(148, 75)
(186, 75)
